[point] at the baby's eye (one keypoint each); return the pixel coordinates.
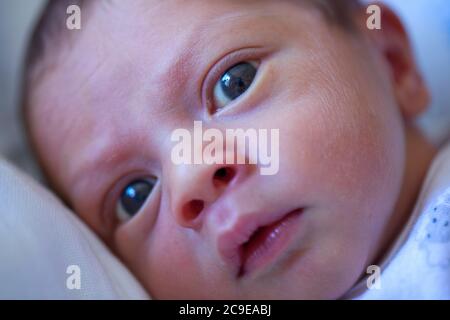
(233, 83)
(133, 198)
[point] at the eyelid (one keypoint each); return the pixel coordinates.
(248, 54)
(112, 196)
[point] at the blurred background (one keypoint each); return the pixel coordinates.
(16, 20)
(427, 21)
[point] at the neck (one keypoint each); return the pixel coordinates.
(419, 156)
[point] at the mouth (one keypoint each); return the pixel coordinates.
(256, 241)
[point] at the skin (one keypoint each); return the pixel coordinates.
(344, 103)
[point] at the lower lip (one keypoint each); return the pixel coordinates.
(269, 243)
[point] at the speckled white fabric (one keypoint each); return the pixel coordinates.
(40, 239)
(418, 265)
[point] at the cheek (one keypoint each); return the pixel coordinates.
(169, 268)
(170, 262)
(348, 165)
(346, 150)
(341, 159)
(341, 133)
(351, 159)
(344, 141)
(160, 260)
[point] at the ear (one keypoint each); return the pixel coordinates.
(393, 44)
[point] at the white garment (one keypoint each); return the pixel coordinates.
(418, 265)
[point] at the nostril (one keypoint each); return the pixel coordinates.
(192, 210)
(224, 175)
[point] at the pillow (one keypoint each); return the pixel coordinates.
(46, 252)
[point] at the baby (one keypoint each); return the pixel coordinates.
(101, 104)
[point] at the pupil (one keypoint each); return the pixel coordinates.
(134, 196)
(238, 79)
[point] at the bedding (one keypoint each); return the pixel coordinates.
(46, 252)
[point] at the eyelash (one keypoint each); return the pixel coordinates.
(112, 196)
(217, 71)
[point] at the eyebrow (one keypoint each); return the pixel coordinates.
(181, 65)
(184, 61)
(106, 157)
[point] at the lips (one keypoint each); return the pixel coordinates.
(256, 240)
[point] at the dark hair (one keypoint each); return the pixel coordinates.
(338, 11)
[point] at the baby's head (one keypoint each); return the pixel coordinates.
(102, 103)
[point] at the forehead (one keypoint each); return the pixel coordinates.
(135, 58)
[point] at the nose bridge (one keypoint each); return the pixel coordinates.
(199, 171)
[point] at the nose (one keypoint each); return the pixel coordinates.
(198, 186)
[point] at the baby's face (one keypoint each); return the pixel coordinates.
(138, 71)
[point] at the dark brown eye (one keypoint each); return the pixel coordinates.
(234, 83)
(133, 197)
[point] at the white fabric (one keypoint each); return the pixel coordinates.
(418, 265)
(40, 239)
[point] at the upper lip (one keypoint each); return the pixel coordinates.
(230, 242)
